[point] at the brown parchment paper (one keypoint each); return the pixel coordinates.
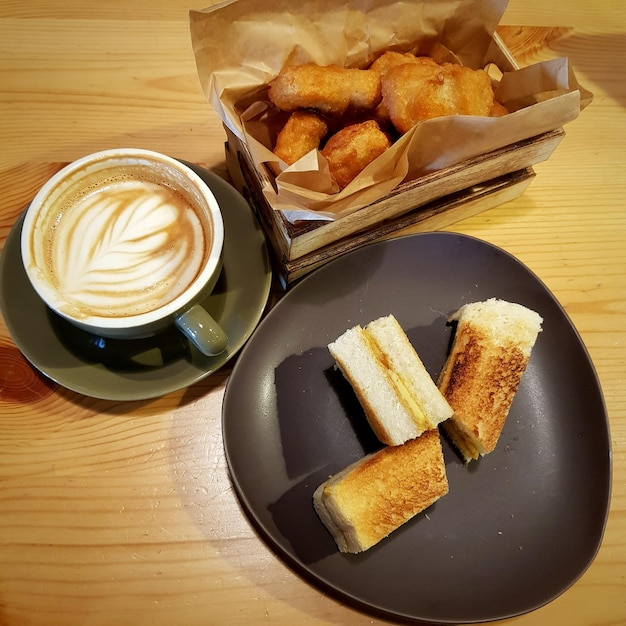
(241, 46)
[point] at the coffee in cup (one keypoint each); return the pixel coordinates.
(124, 242)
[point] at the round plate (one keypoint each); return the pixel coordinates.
(517, 527)
(142, 369)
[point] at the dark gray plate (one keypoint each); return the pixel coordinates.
(517, 528)
(142, 369)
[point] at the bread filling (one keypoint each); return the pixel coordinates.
(464, 441)
(408, 400)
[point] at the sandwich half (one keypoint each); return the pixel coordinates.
(398, 395)
(377, 494)
(490, 351)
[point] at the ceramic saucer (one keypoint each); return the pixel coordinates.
(147, 368)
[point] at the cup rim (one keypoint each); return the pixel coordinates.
(207, 276)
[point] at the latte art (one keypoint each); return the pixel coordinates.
(126, 247)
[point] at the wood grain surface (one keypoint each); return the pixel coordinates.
(123, 513)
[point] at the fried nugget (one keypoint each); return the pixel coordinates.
(352, 148)
(498, 109)
(387, 61)
(302, 133)
(414, 93)
(390, 59)
(329, 89)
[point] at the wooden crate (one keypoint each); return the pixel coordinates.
(430, 202)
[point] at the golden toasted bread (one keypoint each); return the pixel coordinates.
(371, 498)
(491, 349)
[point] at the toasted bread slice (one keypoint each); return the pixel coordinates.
(398, 395)
(491, 349)
(374, 496)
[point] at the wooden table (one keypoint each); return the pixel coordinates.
(123, 513)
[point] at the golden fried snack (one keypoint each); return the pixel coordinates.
(413, 93)
(389, 60)
(302, 133)
(352, 148)
(498, 110)
(329, 89)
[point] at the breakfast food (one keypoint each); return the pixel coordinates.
(398, 395)
(370, 108)
(491, 349)
(369, 499)
(386, 62)
(353, 148)
(302, 133)
(390, 59)
(498, 109)
(329, 89)
(374, 496)
(415, 92)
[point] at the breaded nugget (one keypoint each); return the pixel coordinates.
(302, 133)
(390, 59)
(414, 93)
(329, 89)
(352, 148)
(498, 109)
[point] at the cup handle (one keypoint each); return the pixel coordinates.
(202, 330)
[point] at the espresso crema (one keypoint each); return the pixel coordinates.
(124, 244)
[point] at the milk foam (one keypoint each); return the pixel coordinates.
(126, 247)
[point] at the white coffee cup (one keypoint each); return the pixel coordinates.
(125, 242)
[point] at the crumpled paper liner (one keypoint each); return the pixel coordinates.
(241, 46)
